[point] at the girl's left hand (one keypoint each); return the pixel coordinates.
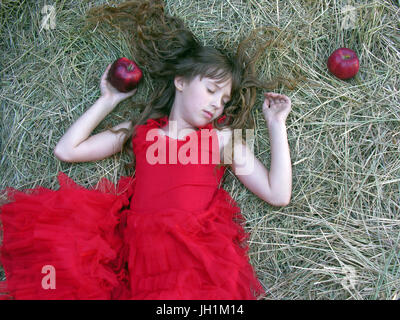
(276, 107)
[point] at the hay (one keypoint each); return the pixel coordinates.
(339, 237)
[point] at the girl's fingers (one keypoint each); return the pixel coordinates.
(270, 94)
(106, 72)
(276, 98)
(273, 94)
(131, 93)
(277, 101)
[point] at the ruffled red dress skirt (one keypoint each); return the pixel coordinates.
(100, 249)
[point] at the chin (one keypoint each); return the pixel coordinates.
(200, 122)
(206, 122)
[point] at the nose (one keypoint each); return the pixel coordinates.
(218, 103)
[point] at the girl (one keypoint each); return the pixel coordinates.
(170, 231)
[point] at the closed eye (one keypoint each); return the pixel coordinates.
(209, 90)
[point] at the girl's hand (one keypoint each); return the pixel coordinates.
(276, 107)
(108, 91)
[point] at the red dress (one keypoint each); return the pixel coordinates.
(168, 232)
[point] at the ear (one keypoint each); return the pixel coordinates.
(179, 83)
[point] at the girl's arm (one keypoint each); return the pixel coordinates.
(274, 186)
(76, 145)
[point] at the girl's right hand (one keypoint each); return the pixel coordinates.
(108, 91)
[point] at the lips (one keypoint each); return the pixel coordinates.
(208, 114)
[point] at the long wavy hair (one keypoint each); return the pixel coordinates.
(164, 48)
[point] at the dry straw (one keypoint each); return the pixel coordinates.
(339, 237)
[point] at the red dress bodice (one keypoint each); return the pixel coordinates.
(167, 175)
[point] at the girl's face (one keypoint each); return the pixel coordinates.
(202, 100)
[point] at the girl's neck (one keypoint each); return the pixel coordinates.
(176, 123)
(177, 127)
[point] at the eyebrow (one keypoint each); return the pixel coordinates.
(215, 83)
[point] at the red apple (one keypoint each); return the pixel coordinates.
(124, 75)
(343, 63)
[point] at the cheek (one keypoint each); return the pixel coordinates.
(200, 100)
(219, 112)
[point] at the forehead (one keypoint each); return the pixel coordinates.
(221, 83)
